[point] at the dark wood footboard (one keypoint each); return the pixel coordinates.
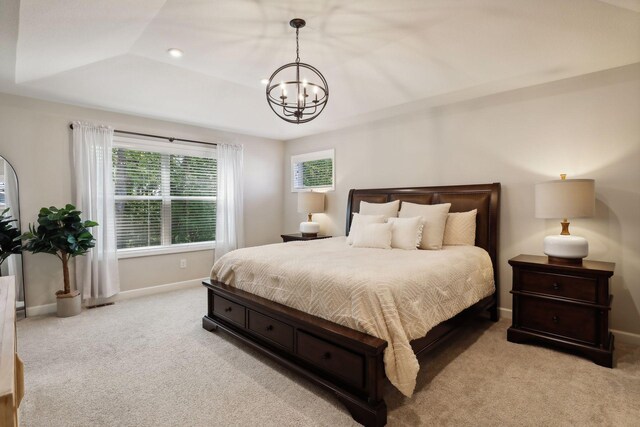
(345, 361)
(342, 360)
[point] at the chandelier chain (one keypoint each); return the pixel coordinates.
(297, 46)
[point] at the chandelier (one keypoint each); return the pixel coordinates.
(297, 92)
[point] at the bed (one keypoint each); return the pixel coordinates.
(331, 346)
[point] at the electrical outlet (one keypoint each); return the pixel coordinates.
(183, 263)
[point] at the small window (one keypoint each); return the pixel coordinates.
(313, 171)
(165, 196)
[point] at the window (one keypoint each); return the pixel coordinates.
(165, 197)
(313, 171)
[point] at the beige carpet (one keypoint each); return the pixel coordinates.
(148, 362)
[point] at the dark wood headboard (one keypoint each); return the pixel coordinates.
(483, 197)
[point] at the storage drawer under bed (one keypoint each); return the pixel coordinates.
(229, 310)
(271, 329)
(335, 360)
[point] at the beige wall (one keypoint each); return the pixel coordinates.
(35, 138)
(587, 126)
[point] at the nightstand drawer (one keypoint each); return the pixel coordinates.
(271, 329)
(229, 310)
(564, 319)
(574, 287)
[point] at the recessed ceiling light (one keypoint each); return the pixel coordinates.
(174, 52)
(264, 81)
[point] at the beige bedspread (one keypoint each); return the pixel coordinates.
(396, 295)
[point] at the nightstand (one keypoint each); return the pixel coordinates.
(566, 306)
(299, 236)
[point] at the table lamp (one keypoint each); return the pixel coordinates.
(310, 203)
(565, 198)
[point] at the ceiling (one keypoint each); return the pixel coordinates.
(380, 58)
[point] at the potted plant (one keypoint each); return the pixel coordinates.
(62, 233)
(9, 237)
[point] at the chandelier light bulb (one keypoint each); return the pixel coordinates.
(315, 90)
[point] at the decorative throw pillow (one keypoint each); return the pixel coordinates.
(434, 218)
(461, 228)
(389, 210)
(406, 233)
(373, 236)
(360, 221)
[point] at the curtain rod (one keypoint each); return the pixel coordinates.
(168, 138)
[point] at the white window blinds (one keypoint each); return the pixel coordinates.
(313, 171)
(165, 194)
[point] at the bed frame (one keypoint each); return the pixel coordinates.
(342, 360)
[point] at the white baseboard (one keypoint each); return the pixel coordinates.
(151, 290)
(626, 337)
(124, 295)
(505, 313)
(622, 336)
(39, 310)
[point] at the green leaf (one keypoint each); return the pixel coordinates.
(59, 231)
(10, 237)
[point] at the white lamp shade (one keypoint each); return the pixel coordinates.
(565, 198)
(310, 202)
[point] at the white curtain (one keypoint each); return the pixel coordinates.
(229, 215)
(97, 271)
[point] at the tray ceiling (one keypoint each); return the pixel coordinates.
(380, 57)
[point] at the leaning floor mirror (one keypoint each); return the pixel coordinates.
(12, 265)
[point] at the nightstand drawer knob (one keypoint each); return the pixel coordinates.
(270, 328)
(555, 319)
(555, 286)
(228, 309)
(326, 356)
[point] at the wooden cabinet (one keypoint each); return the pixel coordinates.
(299, 236)
(566, 306)
(11, 368)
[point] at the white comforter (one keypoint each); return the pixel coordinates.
(396, 295)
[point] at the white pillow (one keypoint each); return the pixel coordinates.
(360, 221)
(389, 210)
(373, 236)
(434, 218)
(461, 228)
(406, 233)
